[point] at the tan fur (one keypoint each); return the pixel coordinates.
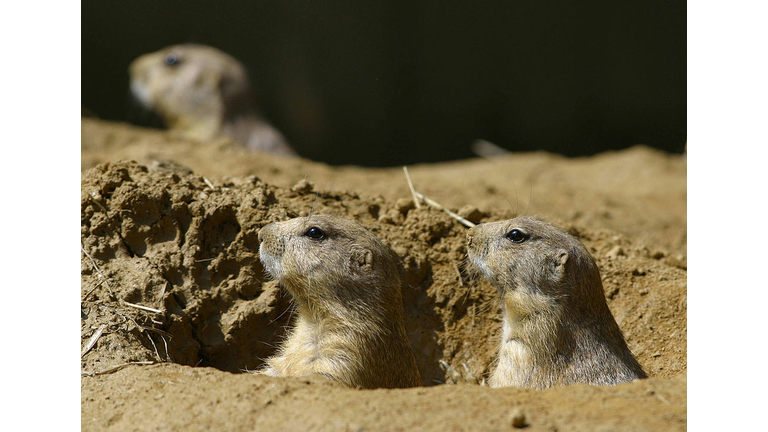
(557, 327)
(205, 94)
(347, 288)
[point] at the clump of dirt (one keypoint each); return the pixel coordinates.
(170, 274)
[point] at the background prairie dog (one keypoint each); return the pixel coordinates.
(347, 288)
(204, 94)
(557, 328)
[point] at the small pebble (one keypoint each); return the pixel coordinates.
(471, 213)
(518, 419)
(303, 187)
(404, 205)
(616, 252)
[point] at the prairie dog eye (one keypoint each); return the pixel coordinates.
(172, 60)
(315, 233)
(517, 236)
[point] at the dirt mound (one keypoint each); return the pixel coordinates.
(638, 192)
(173, 397)
(176, 244)
(170, 274)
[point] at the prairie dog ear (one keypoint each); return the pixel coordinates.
(361, 259)
(558, 260)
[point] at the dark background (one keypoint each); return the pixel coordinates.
(385, 83)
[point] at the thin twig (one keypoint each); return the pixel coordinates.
(410, 185)
(435, 204)
(208, 182)
(152, 341)
(162, 291)
(98, 204)
(458, 272)
(118, 367)
(128, 318)
(167, 354)
(92, 290)
(158, 331)
(93, 339)
(104, 277)
(144, 308)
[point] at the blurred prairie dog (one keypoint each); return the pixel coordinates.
(347, 288)
(557, 327)
(204, 94)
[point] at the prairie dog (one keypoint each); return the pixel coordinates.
(204, 94)
(347, 288)
(557, 327)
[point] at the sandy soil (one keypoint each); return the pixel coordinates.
(170, 225)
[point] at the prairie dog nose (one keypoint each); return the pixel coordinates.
(263, 230)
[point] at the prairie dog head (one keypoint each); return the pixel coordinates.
(557, 328)
(326, 259)
(535, 265)
(192, 87)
